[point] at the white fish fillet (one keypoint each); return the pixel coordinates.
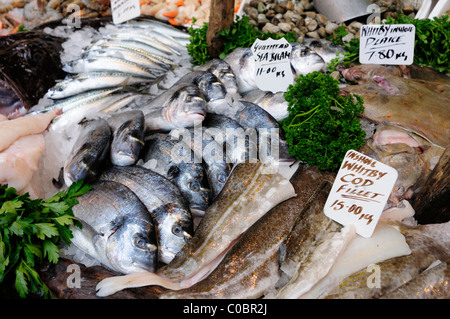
(11, 130)
(20, 161)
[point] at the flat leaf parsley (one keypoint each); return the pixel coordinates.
(30, 231)
(322, 124)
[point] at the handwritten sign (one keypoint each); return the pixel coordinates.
(272, 64)
(387, 44)
(124, 10)
(360, 192)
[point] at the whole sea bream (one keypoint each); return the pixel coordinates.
(164, 202)
(250, 192)
(117, 229)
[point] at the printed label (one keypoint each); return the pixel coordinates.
(124, 10)
(360, 192)
(387, 44)
(273, 68)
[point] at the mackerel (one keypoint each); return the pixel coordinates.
(107, 64)
(144, 38)
(91, 81)
(250, 192)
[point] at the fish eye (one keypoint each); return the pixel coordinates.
(140, 242)
(177, 230)
(60, 88)
(194, 187)
(222, 178)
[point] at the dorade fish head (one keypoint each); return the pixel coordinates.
(210, 86)
(175, 229)
(131, 246)
(186, 107)
(304, 60)
(193, 183)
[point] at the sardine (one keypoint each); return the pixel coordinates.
(89, 152)
(182, 105)
(177, 162)
(91, 81)
(251, 190)
(251, 267)
(107, 64)
(127, 137)
(117, 229)
(428, 244)
(164, 202)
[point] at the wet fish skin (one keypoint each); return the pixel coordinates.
(107, 64)
(208, 84)
(91, 81)
(428, 244)
(251, 267)
(250, 115)
(164, 202)
(223, 72)
(251, 191)
(89, 152)
(127, 138)
(178, 163)
(304, 60)
(234, 210)
(407, 103)
(182, 105)
(327, 50)
(117, 228)
(273, 103)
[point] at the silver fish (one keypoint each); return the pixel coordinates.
(273, 103)
(327, 50)
(223, 72)
(304, 60)
(107, 64)
(177, 162)
(251, 267)
(117, 229)
(144, 38)
(89, 152)
(138, 57)
(182, 105)
(251, 191)
(91, 81)
(208, 84)
(127, 137)
(164, 202)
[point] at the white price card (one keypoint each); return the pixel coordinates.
(124, 10)
(391, 44)
(360, 192)
(272, 64)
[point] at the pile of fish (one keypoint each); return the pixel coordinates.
(187, 169)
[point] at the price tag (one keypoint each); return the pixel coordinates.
(124, 10)
(360, 192)
(387, 44)
(272, 64)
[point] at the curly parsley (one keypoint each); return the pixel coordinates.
(30, 231)
(322, 124)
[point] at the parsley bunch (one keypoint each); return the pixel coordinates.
(322, 125)
(241, 34)
(432, 42)
(30, 231)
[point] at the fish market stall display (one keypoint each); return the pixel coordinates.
(180, 179)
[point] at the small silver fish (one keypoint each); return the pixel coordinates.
(117, 229)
